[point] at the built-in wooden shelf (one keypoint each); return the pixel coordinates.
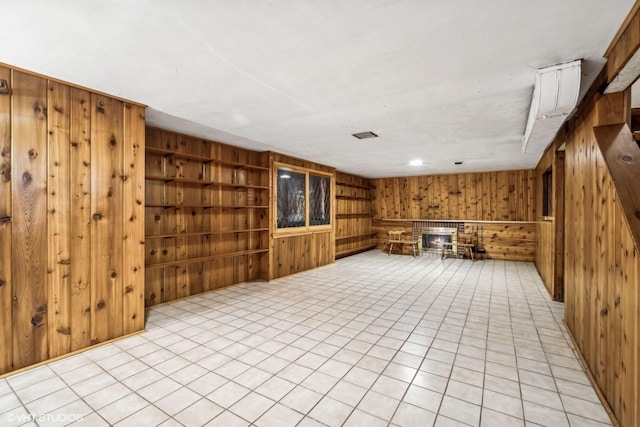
(169, 153)
(178, 263)
(357, 236)
(348, 184)
(222, 192)
(360, 214)
(354, 214)
(342, 197)
(203, 182)
(206, 233)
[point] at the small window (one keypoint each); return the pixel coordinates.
(291, 199)
(547, 193)
(303, 198)
(319, 200)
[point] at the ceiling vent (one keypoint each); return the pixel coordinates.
(364, 135)
(555, 95)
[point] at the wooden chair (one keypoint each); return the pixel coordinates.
(395, 237)
(468, 242)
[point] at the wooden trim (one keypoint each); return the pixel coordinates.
(634, 9)
(72, 85)
(622, 156)
(67, 355)
(457, 220)
(307, 228)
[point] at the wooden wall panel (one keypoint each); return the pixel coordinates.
(107, 148)
(601, 271)
(62, 169)
(29, 219)
(353, 204)
(514, 241)
(133, 218)
(545, 253)
(6, 288)
(59, 220)
(490, 196)
(80, 214)
(209, 227)
(295, 252)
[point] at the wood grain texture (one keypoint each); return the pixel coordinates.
(107, 146)
(549, 258)
(514, 241)
(601, 265)
(490, 196)
(353, 233)
(133, 218)
(624, 45)
(80, 201)
(6, 288)
(59, 220)
(29, 219)
(622, 157)
(209, 227)
(293, 253)
(51, 174)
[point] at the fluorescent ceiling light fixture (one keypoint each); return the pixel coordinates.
(555, 95)
(416, 162)
(284, 176)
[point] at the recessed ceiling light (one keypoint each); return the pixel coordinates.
(364, 135)
(416, 163)
(458, 163)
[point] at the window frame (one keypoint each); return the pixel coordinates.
(277, 166)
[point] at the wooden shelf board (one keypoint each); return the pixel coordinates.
(167, 153)
(205, 259)
(357, 236)
(158, 178)
(345, 215)
(155, 205)
(205, 233)
(348, 184)
(203, 182)
(353, 197)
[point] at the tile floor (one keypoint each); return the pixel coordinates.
(371, 340)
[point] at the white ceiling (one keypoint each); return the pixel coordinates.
(441, 81)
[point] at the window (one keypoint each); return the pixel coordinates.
(319, 200)
(291, 199)
(547, 194)
(303, 198)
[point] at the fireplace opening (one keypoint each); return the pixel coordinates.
(435, 238)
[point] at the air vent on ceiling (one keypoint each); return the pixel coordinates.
(364, 135)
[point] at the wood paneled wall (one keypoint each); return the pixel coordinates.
(353, 201)
(602, 267)
(514, 241)
(490, 196)
(549, 258)
(206, 214)
(71, 219)
(292, 253)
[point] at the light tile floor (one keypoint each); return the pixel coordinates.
(371, 340)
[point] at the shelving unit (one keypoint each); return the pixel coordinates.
(206, 211)
(353, 215)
